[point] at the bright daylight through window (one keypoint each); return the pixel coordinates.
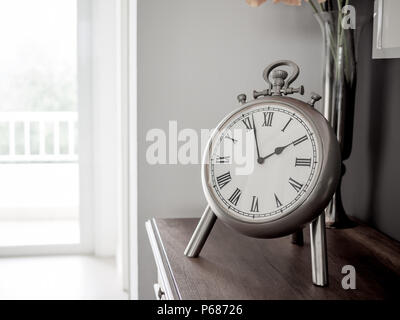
(39, 183)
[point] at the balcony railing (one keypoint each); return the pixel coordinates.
(38, 137)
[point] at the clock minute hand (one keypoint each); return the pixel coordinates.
(259, 159)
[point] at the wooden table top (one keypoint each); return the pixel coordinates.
(233, 266)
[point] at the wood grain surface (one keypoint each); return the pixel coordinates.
(232, 266)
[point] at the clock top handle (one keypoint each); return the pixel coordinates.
(279, 86)
(272, 66)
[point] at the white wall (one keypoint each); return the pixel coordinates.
(106, 125)
(194, 58)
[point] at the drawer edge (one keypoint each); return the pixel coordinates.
(164, 268)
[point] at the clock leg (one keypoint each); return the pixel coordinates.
(201, 233)
(319, 258)
(297, 237)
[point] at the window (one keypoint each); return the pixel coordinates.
(39, 140)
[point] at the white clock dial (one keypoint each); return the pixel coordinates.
(286, 162)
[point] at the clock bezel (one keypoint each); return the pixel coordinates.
(315, 198)
(287, 208)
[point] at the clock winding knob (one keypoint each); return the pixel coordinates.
(314, 98)
(279, 77)
(242, 98)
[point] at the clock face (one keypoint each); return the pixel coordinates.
(263, 162)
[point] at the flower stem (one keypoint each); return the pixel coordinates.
(313, 6)
(345, 51)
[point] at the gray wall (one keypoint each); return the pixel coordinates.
(194, 57)
(371, 185)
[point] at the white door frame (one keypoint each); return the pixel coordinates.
(132, 136)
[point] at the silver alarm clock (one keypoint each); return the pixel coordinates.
(271, 166)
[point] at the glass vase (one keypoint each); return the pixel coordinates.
(339, 86)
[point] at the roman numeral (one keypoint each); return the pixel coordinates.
(224, 159)
(230, 138)
(303, 162)
(278, 203)
(254, 204)
(234, 198)
(287, 123)
(300, 140)
(296, 185)
(247, 123)
(268, 119)
(224, 179)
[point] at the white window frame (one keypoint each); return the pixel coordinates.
(85, 125)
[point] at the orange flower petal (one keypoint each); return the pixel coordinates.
(255, 3)
(292, 2)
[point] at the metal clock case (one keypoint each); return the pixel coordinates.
(301, 189)
(317, 195)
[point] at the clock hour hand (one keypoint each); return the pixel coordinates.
(278, 150)
(294, 143)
